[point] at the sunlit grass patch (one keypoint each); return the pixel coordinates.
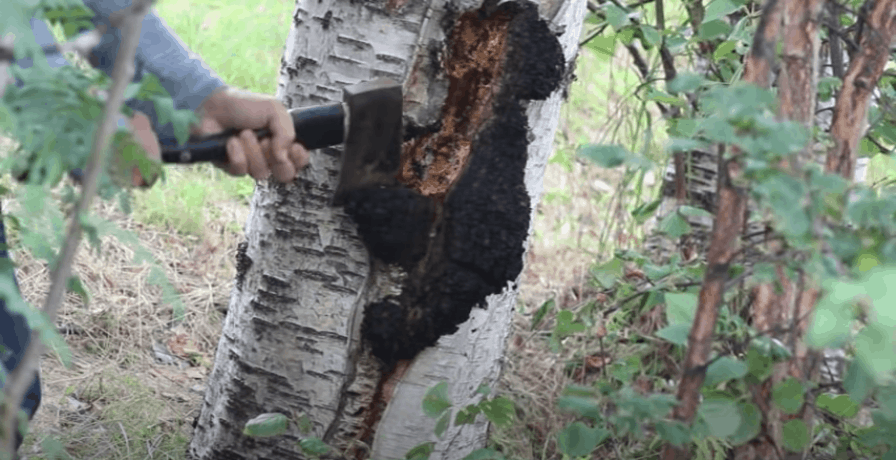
(189, 197)
(241, 41)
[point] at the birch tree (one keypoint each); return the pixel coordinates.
(323, 329)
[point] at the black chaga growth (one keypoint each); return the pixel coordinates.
(393, 223)
(475, 243)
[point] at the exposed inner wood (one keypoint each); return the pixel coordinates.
(385, 389)
(431, 163)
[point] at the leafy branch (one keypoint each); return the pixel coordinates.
(129, 21)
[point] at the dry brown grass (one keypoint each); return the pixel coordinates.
(118, 401)
(116, 377)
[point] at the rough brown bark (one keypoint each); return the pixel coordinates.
(865, 69)
(726, 233)
(783, 311)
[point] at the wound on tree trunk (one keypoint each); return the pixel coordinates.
(459, 227)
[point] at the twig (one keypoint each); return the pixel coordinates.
(20, 378)
(6, 43)
(591, 36)
(124, 433)
(834, 40)
(80, 44)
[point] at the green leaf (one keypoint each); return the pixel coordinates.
(673, 432)
(663, 97)
(436, 400)
(54, 449)
(442, 424)
(717, 9)
(831, 322)
(179, 119)
(485, 454)
(724, 50)
(605, 156)
(681, 307)
(645, 211)
(724, 369)
(713, 30)
(314, 447)
(685, 82)
(608, 273)
(499, 411)
(266, 425)
(483, 389)
(722, 416)
(788, 395)
(674, 225)
(616, 17)
(75, 285)
(603, 45)
(839, 405)
(566, 324)
(303, 422)
(750, 424)
(650, 35)
(421, 451)
(579, 440)
(467, 415)
(541, 312)
(675, 333)
(796, 435)
(857, 381)
(581, 405)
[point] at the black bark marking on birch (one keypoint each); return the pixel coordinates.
(467, 242)
(243, 263)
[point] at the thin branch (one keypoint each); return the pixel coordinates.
(80, 44)
(834, 40)
(129, 20)
(834, 30)
(6, 43)
(591, 36)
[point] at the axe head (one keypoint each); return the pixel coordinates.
(372, 148)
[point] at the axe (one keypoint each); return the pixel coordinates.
(368, 123)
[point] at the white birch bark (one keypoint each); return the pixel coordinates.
(290, 341)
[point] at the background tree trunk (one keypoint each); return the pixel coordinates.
(483, 87)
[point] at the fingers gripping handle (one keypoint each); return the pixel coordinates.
(316, 127)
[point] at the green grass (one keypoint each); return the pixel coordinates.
(184, 202)
(241, 41)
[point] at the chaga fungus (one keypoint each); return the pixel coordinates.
(460, 225)
(393, 223)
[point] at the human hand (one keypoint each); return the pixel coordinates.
(279, 154)
(141, 130)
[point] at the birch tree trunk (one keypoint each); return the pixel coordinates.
(319, 322)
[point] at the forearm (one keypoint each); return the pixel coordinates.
(182, 73)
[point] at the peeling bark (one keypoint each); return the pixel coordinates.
(311, 275)
(727, 228)
(865, 69)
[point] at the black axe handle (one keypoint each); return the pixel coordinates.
(316, 127)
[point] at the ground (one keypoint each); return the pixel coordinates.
(136, 377)
(130, 366)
